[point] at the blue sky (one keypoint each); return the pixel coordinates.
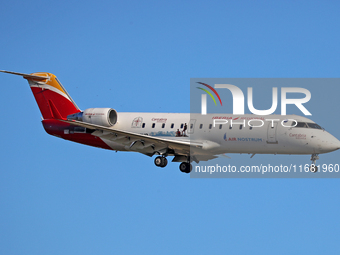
(59, 197)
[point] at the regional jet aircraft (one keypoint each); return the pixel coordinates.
(186, 137)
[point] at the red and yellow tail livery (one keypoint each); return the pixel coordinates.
(53, 100)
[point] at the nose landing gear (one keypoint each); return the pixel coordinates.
(313, 168)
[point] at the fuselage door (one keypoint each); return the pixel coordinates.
(191, 126)
(271, 134)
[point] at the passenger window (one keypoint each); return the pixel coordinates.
(201, 126)
(172, 125)
(143, 125)
(182, 125)
(220, 126)
(250, 127)
(210, 126)
(230, 127)
(163, 125)
(240, 126)
(191, 126)
(153, 125)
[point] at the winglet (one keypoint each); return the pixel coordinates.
(27, 76)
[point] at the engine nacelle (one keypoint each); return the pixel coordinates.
(106, 117)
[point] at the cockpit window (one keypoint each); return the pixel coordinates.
(313, 125)
(307, 125)
(301, 125)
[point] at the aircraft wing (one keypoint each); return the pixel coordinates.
(148, 145)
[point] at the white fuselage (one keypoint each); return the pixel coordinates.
(273, 137)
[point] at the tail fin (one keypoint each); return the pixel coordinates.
(53, 100)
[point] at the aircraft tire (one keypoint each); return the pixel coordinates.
(185, 167)
(164, 162)
(313, 168)
(158, 161)
(161, 161)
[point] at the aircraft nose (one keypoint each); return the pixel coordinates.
(337, 144)
(331, 145)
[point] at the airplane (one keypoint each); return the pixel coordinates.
(187, 137)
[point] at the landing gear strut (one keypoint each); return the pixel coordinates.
(185, 167)
(313, 168)
(161, 161)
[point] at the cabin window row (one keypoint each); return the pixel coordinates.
(221, 125)
(200, 126)
(153, 125)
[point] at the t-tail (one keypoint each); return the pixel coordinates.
(53, 100)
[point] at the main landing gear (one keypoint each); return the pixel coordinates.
(185, 167)
(313, 168)
(161, 161)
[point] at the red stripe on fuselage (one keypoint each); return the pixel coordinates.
(57, 128)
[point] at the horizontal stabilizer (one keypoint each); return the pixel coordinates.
(27, 76)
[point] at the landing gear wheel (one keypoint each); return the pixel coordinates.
(164, 162)
(185, 167)
(313, 168)
(158, 161)
(161, 161)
